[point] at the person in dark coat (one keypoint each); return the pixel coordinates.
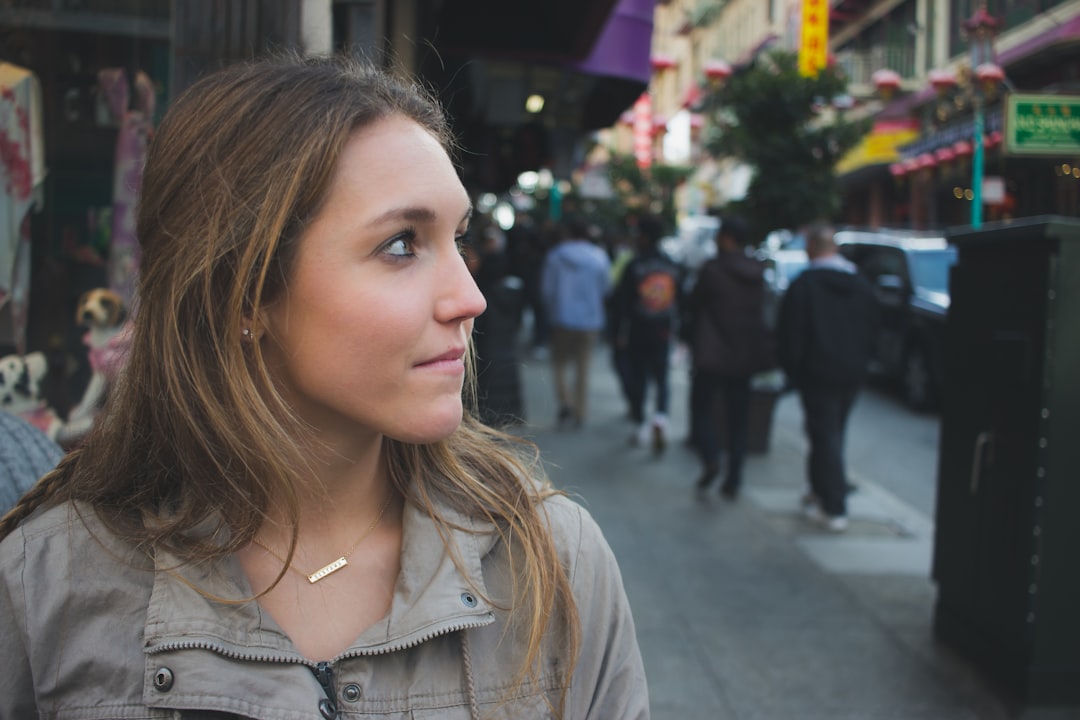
(730, 343)
(495, 332)
(826, 333)
(645, 306)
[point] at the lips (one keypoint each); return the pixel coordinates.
(452, 355)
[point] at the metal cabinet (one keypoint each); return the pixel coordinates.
(1007, 545)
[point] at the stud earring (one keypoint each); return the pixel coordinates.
(246, 333)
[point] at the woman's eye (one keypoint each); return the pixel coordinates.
(462, 241)
(400, 247)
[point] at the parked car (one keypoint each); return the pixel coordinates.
(910, 275)
(781, 269)
(694, 241)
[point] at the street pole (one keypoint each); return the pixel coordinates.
(977, 165)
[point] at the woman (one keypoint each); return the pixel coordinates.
(282, 512)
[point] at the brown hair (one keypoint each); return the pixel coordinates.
(819, 238)
(195, 430)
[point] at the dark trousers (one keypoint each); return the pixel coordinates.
(706, 388)
(620, 363)
(647, 364)
(825, 413)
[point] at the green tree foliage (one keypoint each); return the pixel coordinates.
(651, 190)
(770, 117)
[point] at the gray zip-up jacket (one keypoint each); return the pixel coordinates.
(90, 628)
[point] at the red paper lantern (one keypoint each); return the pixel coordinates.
(662, 61)
(989, 73)
(962, 148)
(897, 170)
(942, 80)
(926, 161)
(944, 154)
(886, 81)
(990, 76)
(911, 165)
(717, 70)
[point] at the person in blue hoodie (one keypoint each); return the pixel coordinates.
(825, 337)
(575, 281)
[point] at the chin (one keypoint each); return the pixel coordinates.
(437, 423)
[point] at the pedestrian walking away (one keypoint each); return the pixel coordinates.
(285, 510)
(645, 305)
(826, 329)
(730, 343)
(576, 280)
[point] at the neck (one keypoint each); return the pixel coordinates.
(345, 490)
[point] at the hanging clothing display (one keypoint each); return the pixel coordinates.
(135, 128)
(22, 172)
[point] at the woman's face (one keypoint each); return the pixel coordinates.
(369, 336)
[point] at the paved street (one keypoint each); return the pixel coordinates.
(744, 611)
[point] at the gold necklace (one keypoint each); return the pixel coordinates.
(342, 561)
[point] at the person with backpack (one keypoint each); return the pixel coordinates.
(646, 308)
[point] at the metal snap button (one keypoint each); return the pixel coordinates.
(163, 679)
(468, 599)
(351, 692)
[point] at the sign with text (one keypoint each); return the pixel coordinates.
(814, 36)
(1042, 124)
(643, 143)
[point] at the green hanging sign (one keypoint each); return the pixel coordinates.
(1042, 125)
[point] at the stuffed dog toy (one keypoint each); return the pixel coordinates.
(107, 337)
(20, 392)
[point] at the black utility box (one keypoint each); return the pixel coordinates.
(1007, 544)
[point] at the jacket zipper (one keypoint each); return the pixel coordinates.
(197, 645)
(324, 674)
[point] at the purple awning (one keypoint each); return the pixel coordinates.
(1068, 30)
(623, 46)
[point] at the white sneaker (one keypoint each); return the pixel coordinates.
(813, 512)
(835, 523)
(641, 437)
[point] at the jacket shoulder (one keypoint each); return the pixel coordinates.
(581, 543)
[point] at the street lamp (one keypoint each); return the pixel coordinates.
(981, 28)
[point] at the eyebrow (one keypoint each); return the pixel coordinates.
(414, 213)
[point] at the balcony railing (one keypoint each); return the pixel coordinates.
(860, 65)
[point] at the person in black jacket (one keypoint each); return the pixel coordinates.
(825, 333)
(645, 306)
(730, 343)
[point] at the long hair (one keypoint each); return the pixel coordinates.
(195, 431)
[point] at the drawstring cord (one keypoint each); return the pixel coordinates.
(470, 684)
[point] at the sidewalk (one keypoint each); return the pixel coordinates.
(745, 611)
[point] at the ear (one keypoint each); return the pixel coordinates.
(259, 322)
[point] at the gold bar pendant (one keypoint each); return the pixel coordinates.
(329, 569)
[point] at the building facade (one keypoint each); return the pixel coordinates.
(85, 82)
(912, 68)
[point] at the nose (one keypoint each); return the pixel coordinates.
(460, 297)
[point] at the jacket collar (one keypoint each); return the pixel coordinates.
(206, 605)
